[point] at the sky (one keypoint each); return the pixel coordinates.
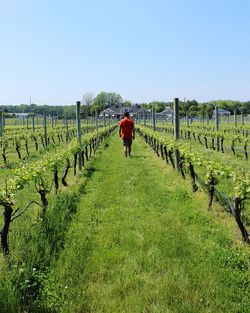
(56, 51)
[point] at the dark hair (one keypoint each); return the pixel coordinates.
(126, 114)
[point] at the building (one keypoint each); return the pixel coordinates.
(167, 113)
(135, 112)
(20, 115)
(222, 112)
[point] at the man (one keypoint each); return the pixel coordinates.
(127, 133)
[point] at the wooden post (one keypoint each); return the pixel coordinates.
(144, 118)
(1, 124)
(176, 119)
(104, 119)
(187, 119)
(235, 119)
(217, 127)
(177, 130)
(153, 117)
(216, 118)
(96, 119)
(242, 117)
(3, 121)
(45, 128)
(23, 121)
(27, 122)
(67, 128)
(33, 121)
(79, 134)
(52, 121)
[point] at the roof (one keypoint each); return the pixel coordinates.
(141, 110)
(121, 110)
(167, 111)
(222, 111)
(133, 110)
(21, 114)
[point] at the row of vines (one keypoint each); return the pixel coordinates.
(188, 161)
(221, 141)
(43, 175)
(28, 140)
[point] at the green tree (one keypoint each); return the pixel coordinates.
(69, 111)
(127, 103)
(229, 105)
(158, 105)
(106, 100)
(87, 100)
(246, 107)
(189, 107)
(205, 109)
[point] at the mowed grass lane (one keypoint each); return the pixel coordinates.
(141, 242)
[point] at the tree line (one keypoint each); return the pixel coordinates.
(111, 99)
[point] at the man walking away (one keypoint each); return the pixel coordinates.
(127, 133)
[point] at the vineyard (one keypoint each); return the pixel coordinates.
(84, 229)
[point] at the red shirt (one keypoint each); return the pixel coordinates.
(127, 126)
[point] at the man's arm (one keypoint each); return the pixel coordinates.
(133, 132)
(120, 130)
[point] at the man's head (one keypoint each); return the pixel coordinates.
(126, 114)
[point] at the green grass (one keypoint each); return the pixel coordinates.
(141, 242)
(35, 242)
(224, 185)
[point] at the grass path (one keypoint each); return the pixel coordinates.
(141, 242)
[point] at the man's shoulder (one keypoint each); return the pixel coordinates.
(127, 121)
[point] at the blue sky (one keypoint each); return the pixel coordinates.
(56, 51)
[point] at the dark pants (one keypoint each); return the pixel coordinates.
(127, 142)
